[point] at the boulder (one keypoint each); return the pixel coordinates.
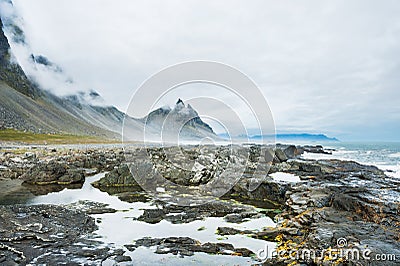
(120, 176)
(292, 152)
(280, 155)
(45, 173)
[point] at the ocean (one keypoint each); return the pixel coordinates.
(384, 155)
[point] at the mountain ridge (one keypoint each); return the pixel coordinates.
(181, 113)
(11, 72)
(288, 136)
(25, 106)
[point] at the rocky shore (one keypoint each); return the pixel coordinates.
(51, 235)
(330, 201)
(338, 201)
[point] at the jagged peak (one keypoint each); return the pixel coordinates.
(179, 105)
(94, 94)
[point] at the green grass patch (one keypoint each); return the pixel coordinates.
(13, 135)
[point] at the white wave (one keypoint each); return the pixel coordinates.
(322, 156)
(394, 155)
(392, 170)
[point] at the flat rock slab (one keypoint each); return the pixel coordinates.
(49, 234)
(186, 246)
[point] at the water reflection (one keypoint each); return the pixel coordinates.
(122, 227)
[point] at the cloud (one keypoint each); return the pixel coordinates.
(330, 66)
(42, 70)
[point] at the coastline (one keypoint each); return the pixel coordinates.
(322, 189)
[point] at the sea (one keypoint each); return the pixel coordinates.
(384, 155)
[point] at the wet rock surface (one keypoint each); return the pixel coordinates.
(47, 173)
(16, 161)
(49, 234)
(120, 176)
(44, 170)
(90, 207)
(334, 200)
(231, 211)
(339, 200)
(186, 246)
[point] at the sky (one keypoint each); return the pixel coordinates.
(329, 67)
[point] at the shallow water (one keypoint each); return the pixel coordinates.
(121, 228)
(169, 259)
(285, 177)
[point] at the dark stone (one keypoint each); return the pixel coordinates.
(292, 152)
(280, 155)
(122, 258)
(91, 207)
(118, 177)
(53, 172)
(231, 231)
(269, 155)
(42, 231)
(185, 246)
(184, 214)
(316, 149)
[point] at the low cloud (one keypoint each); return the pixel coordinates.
(330, 67)
(49, 75)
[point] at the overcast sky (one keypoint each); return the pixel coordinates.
(324, 66)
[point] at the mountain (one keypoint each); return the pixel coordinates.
(181, 120)
(24, 105)
(301, 137)
(12, 73)
(305, 137)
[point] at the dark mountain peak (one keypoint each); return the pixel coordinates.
(11, 73)
(4, 45)
(180, 105)
(94, 94)
(43, 60)
(178, 115)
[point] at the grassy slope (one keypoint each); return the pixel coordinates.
(11, 135)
